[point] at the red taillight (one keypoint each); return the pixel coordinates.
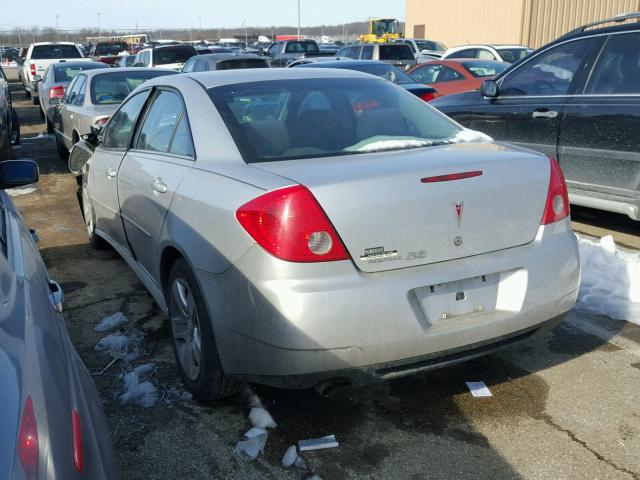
(56, 92)
(557, 206)
(76, 428)
(28, 452)
(33, 69)
(290, 224)
(427, 97)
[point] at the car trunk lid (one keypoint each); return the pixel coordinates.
(390, 216)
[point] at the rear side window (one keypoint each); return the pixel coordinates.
(79, 90)
(241, 63)
(182, 144)
(427, 74)
(45, 52)
(160, 122)
(618, 68)
(118, 132)
(396, 52)
(548, 74)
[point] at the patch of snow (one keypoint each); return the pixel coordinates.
(394, 145)
(16, 192)
(290, 456)
(260, 418)
(113, 343)
(136, 391)
(252, 444)
(44, 135)
(315, 476)
(610, 280)
(468, 135)
(110, 322)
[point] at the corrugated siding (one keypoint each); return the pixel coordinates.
(528, 22)
(458, 22)
(548, 19)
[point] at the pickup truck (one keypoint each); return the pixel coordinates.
(284, 52)
(39, 57)
(109, 52)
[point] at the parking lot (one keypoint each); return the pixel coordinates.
(564, 405)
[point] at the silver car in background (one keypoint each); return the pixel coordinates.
(223, 61)
(51, 424)
(91, 98)
(302, 227)
(54, 81)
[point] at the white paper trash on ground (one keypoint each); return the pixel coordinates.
(318, 443)
(479, 389)
(253, 443)
(110, 322)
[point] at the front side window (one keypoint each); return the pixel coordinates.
(618, 68)
(396, 52)
(353, 52)
(547, 74)
(485, 55)
(119, 129)
(467, 53)
(160, 122)
(309, 118)
(512, 55)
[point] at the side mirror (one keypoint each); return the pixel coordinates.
(79, 155)
(16, 173)
(489, 89)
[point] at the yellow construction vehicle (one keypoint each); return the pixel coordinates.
(382, 30)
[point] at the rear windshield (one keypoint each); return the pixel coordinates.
(429, 45)
(177, 54)
(301, 47)
(484, 69)
(111, 48)
(242, 63)
(65, 73)
(512, 55)
(46, 52)
(113, 87)
(307, 118)
(396, 52)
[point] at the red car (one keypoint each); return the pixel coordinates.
(108, 51)
(456, 75)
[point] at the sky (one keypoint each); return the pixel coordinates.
(151, 14)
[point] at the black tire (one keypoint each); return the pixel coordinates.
(42, 115)
(27, 93)
(63, 153)
(86, 208)
(210, 383)
(35, 100)
(15, 136)
(5, 153)
(49, 126)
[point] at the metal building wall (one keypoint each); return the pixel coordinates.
(458, 22)
(546, 20)
(528, 22)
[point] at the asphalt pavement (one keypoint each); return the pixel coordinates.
(565, 405)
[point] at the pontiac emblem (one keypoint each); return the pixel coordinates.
(459, 207)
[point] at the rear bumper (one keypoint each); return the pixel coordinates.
(295, 325)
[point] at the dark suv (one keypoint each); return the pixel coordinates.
(577, 99)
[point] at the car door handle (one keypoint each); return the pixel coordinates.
(57, 296)
(544, 114)
(158, 186)
(110, 172)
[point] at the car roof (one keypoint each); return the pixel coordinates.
(218, 57)
(492, 45)
(577, 33)
(79, 64)
(460, 61)
(230, 77)
(36, 44)
(106, 71)
(345, 63)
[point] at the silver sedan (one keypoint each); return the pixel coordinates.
(91, 98)
(51, 421)
(302, 227)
